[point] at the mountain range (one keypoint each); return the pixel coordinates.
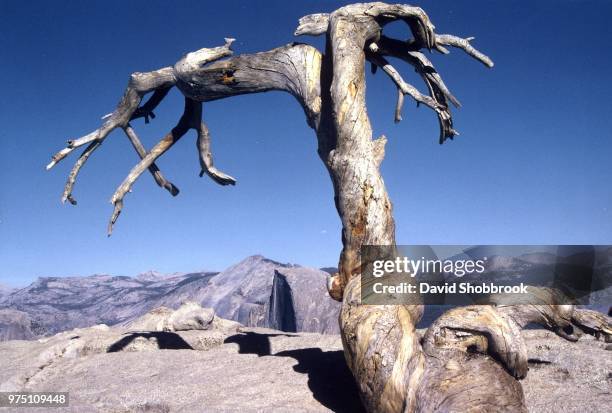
(256, 292)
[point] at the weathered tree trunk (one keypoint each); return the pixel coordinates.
(471, 357)
(381, 345)
(354, 160)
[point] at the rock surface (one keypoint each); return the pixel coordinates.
(227, 367)
(566, 376)
(312, 311)
(16, 325)
(189, 316)
(223, 367)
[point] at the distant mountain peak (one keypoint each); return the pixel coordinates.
(260, 259)
(154, 276)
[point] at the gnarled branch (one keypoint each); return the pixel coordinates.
(191, 118)
(139, 85)
(157, 175)
(201, 77)
(404, 88)
(458, 42)
(206, 159)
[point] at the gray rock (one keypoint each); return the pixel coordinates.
(301, 293)
(114, 370)
(566, 376)
(189, 316)
(15, 325)
(154, 320)
(281, 306)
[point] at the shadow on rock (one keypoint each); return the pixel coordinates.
(253, 343)
(165, 341)
(329, 378)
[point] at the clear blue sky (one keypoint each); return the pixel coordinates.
(532, 164)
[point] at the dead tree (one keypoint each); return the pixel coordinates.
(471, 357)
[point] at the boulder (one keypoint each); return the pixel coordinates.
(189, 316)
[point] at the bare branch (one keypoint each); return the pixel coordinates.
(189, 64)
(160, 82)
(183, 125)
(454, 41)
(409, 52)
(313, 24)
(116, 211)
(71, 146)
(206, 159)
(398, 105)
(438, 90)
(403, 87)
(425, 68)
(67, 195)
(139, 85)
(58, 157)
(294, 68)
(422, 28)
(146, 111)
(157, 175)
